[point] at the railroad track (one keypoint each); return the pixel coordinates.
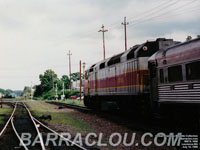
(22, 121)
(81, 108)
(175, 123)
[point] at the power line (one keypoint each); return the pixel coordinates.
(89, 32)
(153, 17)
(172, 15)
(143, 13)
(157, 9)
(150, 12)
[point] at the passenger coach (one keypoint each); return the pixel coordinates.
(175, 75)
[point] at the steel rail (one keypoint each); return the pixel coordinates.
(81, 108)
(4, 128)
(36, 127)
(21, 141)
(76, 106)
(66, 139)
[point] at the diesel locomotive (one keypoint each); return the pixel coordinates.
(146, 76)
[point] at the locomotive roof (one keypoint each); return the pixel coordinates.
(108, 59)
(123, 55)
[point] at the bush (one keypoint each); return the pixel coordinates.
(72, 93)
(67, 93)
(49, 95)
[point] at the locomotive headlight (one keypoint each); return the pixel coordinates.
(145, 48)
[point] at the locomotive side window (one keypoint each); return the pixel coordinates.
(175, 73)
(91, 69)
(115, 59)
(161, 76)
(102, 65)
(192, 71)
(131, 53)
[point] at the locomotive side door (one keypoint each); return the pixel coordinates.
(129, 76)
(96, 82)
(112, 81)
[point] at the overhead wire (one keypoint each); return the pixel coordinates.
(155, 11)
(159, 15)
(172, 15)
(182, 12)
(149, 14)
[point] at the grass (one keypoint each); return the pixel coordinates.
(40, 108)
(13, 99)
(5, 111)
(71, 101)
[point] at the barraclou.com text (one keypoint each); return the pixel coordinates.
(147, 139)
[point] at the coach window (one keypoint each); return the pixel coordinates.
(175, 73)
(192, 71)
(161, 76)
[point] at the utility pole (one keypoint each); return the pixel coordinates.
(69, 54)
(83, 69)
(104, 50)
(56, 92)
(80, 82)
(125, 24)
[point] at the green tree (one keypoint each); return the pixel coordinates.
(75, 76)
(38, 91)
(66, 81)
(4, 92)
(59, 84)
(198, 36)
(48, 80)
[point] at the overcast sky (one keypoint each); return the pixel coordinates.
(36, 35)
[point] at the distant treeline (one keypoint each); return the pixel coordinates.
(9, 91)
